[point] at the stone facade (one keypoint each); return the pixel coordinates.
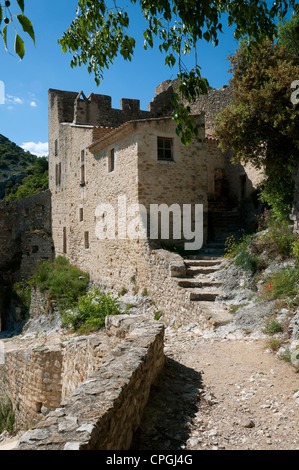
(104, 402)
(100, 155)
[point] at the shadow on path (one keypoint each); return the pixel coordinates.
(171, 409)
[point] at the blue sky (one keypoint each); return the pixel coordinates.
(24, 116)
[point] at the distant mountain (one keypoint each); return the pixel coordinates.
(14, 161)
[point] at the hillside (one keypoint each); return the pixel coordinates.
(13, 159)
(15, 165)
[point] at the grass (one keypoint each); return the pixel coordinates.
(254, 252)
(274, 344)
(282, 284)
(272, 326)
(64, 283)
(241, 250)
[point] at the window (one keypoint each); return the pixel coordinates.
(56, 148)
(111, 161)
(58, 174)
(82, 177)
(81, 214)
(64, 241)
(165, 152)
(86, 240)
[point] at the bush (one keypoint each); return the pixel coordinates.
(283, 284)
(91, 311)
(272, 326)
(241, 250)
(295, 249)
(280, 237)
(7, 417)
(63, 282)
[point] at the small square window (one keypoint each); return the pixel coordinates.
(165, 152)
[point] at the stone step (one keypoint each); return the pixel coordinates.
(193, 270)
(202, 283)
(204, 296)
(202, 257)
(203, 262)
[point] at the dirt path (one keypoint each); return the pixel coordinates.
(221, 394)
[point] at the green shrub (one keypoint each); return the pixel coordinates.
(91, 311)
(63, 282)
(283, 284)
(242, 250)
(272, 326)
(280, 236)
(295, 249)
(7, 417)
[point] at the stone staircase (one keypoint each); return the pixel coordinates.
(203, 289)
(225, 221)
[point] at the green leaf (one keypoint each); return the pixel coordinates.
(19, 46)
(21, 4)
(27, 26)
(4, 32)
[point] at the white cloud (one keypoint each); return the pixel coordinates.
(14, 100)
(40, 149)
(33, 104)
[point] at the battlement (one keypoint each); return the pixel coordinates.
(93, 110)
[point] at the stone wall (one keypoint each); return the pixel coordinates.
(25, 238)
(106, 408)
(16, 218)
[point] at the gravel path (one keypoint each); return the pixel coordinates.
(221, 393)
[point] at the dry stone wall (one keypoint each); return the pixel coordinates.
(105, 410)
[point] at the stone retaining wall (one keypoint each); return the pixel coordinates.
(103, 411)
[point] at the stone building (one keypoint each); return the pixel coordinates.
(101, 157)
